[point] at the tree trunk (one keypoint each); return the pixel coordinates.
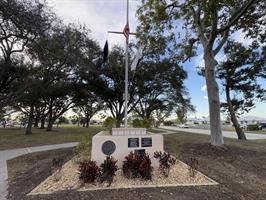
(87, 121)
(50, 118)
(37, 119)
(240, 133)
(50, 125)
(42, 122)
(118, 122)
(29, 124)
(213, 98)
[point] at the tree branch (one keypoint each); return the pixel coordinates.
(236, 16)
(221, 43)
(198, 24)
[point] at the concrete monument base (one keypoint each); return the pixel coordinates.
(124, 140)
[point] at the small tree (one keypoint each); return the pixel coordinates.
(181, 115)
(239, 74)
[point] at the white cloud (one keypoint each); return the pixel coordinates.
(205, 97)
(99, 16)
(204, 88)
(239, 36)
(199, 61)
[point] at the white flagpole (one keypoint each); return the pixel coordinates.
(126, 75)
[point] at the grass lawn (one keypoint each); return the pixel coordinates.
(239, 167)
(175, 142)
(157, 130)
(246, 131)
(11, 138)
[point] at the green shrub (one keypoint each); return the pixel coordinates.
(166, 162)
(108, 169)
(253, 127)
(168, 123)
(137, 123)
(109, 123)
(82, 151)
(88, 171)
(137, 166)
(142, 123)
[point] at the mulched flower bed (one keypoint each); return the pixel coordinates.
(68, 179)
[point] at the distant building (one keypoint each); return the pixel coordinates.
(198, 120)
(251, 120)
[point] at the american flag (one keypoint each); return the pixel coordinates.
(126, 31)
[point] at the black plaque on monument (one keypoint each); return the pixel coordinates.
(140, 152)
(133, 142)
(146, 142)
(108, 147)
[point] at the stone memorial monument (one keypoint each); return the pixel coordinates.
(122, 141)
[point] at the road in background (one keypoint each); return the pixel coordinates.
(228, 134)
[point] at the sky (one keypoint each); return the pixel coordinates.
(101, 16)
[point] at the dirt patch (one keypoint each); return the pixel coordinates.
(239, 170)
(30, 170)
(241, 173)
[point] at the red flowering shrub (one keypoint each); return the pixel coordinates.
(166, 161)
(137, 166)
(108, 169)
(88, 171)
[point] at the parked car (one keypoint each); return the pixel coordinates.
(243, 126)
(262, 126)
(183, 126)
(9, 124)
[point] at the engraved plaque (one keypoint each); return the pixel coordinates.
(133, 142)
(140, 152)
(108, 147)
(146, 142)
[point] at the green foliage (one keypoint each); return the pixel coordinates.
(181, 113)
(141, 123)
(252, 127)
(87, 104)
(109, 123)
(83, 150)
(108, 169)
(179, 29)
(88, 171)
(166, 161)
(62, 120)
(22, 22)
(137, 166)
(160, 87)
(107, 82)
(168, 123)
(240, 74)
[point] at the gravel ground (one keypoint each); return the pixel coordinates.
(67, 179)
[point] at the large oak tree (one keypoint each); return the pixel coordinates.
(180, 28)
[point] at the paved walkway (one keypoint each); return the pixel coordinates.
(228, 134)
(9, 154)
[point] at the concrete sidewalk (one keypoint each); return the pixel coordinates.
(228, 134)
(9, 154)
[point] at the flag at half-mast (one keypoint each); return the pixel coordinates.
(105, 51)
(126, 32)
